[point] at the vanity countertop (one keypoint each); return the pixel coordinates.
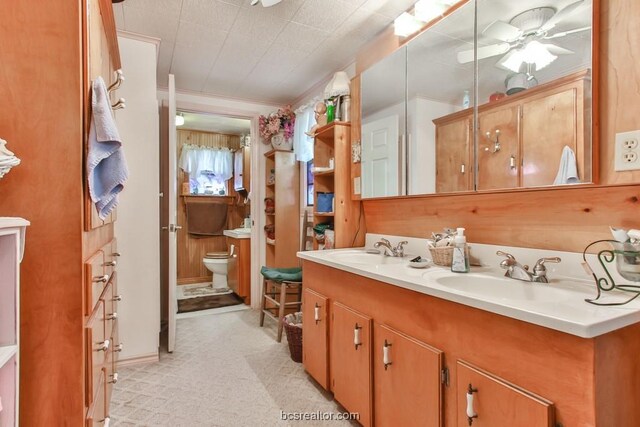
(559, 305)
(238, 233)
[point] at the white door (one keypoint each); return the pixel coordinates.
(380, 146)
(173, 216)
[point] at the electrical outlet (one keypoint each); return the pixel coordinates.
(627, 151)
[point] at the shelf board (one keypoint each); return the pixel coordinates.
(271, 244)
(272, 153)
(270, 213)
(322, 173)
(329, 127)
(271, 185)
(327, 214)
(6, 353)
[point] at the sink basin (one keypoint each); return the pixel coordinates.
(360, 257)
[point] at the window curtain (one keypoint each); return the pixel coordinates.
(196, 160)
(303, 143)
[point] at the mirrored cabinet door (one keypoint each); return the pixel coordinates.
(384, 89)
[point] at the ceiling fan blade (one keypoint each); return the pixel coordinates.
(566, 33)
(502, 31)
(557, 50)
(269, 3)
(560, 15)
(483, 52)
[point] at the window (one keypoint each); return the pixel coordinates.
(309, 167)
(208, 183)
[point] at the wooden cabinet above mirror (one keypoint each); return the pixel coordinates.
(529, 69)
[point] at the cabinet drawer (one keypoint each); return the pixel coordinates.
(315, 340)
(97, 414)
(495, 402)
(97, 348)
(95, 280)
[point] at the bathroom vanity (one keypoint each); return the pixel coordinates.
(404, 346)
(239, 278)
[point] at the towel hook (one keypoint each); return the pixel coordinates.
(119, 104)
(496, 142)
(119, 79)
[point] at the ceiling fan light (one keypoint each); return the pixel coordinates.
(426, 10)
(536, 53)
(406, 24)
(179, 119)
(513, 60)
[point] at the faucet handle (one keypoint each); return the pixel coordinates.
(400, 248)
(509, 256)
(383, 240)
(540, 263)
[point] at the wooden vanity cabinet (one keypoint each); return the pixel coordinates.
(495, 402)
(315, 339)
(408, 383)
(351, 353)
(239, 275)
(454, 148)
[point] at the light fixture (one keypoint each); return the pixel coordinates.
(179, 119)
(338, 86)
(427, 10)
(533, 52)
(406, 24)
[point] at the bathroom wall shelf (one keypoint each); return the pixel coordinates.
(285, 192)
(332, 149)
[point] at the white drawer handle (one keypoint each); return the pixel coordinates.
(356, 336)
(117, 298)
(104, 345)
(316, 313)
(114, 378)
(101, 279)
(111, 263)
(118, 348)
(471, 413)
(113, 316)
(116, 254)
(386, 357)
(106, 422)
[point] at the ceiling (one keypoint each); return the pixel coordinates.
(433, 69)
(214, 123)
(231, 49)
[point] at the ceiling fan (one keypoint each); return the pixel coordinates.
(265, 3)
(523, 38)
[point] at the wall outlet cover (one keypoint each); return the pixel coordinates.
(627, 151)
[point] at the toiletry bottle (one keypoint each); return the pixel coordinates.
(460, 261)
(466, 102)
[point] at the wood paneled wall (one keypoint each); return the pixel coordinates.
(191, 250)
(558, 218)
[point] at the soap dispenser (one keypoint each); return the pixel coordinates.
(460, 261)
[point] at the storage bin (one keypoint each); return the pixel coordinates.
(324, 202)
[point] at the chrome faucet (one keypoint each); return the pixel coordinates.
(517, 271)
(389, 250)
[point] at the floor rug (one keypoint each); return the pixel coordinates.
(207, 302)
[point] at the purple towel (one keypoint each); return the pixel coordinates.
(106, 167)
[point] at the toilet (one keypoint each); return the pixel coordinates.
(217, 263)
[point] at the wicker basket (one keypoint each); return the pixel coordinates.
(444, 255)
(293, 328)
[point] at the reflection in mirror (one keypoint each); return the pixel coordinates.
(440, 150)
(534, 92)
(383, 126)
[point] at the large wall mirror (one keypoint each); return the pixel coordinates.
(529, 66)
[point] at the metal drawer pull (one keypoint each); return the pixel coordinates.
(356, 336)
(117, 298)
(115, 254)
(112, 316)
(512, 162)
(471, 414)
(110, 263)
(114, 378)
(106, 422)
(462, 169)
(386, 358)
(101, 279)
(104, 345)
(118, 348)
(316, 313)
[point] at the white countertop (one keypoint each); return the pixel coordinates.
(557, 305)
(238, 233)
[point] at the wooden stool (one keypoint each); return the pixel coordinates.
(276, 293)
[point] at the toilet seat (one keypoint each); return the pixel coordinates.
(217, 255)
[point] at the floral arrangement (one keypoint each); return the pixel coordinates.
(283, 119)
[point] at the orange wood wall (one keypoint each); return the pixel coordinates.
(567, 218)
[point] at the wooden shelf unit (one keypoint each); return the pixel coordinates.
(333, 141)
(286, 219)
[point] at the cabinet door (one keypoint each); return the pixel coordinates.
(315, 339)
(454, 168)
(499, 169)
(495, 402)
(351, 361)
(548, 124)
(407, 386)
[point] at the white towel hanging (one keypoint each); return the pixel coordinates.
(568, 169)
